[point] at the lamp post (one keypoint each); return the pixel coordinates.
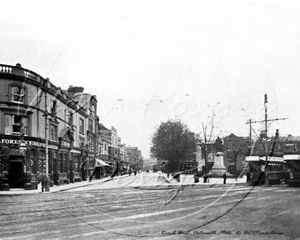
(47, 86)
(23, 148)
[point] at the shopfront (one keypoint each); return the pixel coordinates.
(22, 166)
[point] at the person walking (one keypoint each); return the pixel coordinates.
(224, 177)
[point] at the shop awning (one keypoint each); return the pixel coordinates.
(291, 157)
(272, 159)
(83, 163)
(252, 158)
(100, 163)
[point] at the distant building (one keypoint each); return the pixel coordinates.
(149, 163)
(134, 157)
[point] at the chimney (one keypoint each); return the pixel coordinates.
(73, 90)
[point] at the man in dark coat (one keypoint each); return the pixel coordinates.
(224, 177)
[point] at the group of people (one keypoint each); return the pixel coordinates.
(43, 180)
(206, 177)
(130, 171)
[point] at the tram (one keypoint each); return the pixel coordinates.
(292, 176)
(257, 172)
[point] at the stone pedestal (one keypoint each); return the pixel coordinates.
(218, 168)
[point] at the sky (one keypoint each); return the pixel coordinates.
(151, 61)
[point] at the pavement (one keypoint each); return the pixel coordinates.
(140, 180)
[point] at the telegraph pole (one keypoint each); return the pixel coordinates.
(250, 131)
(266, 141)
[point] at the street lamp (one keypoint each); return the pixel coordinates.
(47, 86)
(27, 175)
(23, 147)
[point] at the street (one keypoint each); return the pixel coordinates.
(154, 212)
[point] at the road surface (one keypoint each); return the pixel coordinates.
(150, 212)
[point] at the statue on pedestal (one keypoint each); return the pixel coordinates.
(218, 168)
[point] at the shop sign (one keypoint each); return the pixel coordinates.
(66, 144)
(28, 143)
(75, 151)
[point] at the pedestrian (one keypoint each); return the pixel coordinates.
(134, 171)
(196, 177)
(42, 178)
(248, 177)
(205, 178)
(224, 177)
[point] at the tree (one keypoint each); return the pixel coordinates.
(234, 147)
(207, 130)
(174, 142)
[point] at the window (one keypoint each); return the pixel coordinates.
(81, 141)
(93, 110)
(53, 107)
(17, 94)
(15, 124)
(91, 144)
(81, 125)
(91, 123)
(70, 118)
(53, 133)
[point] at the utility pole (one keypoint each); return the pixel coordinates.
(266, 141)
(205, 148)
(250, 131)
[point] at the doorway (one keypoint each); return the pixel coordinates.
(15, 174)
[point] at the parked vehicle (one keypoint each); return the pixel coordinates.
(257, 172)
(292, 176)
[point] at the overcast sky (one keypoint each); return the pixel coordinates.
(165, 59)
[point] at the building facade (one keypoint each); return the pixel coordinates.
(46, 119)
(46, 129)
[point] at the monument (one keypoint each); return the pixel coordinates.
(218, 168)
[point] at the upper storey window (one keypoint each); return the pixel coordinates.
(15, 124)
(91, 125)
(17, 94)
(93, 110)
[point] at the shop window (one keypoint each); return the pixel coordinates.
(42, 161)
(76, 163)
(65, 163)
(61, 165)
(53, 133)
(15, 124)
(17, 94)
(81, 125)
